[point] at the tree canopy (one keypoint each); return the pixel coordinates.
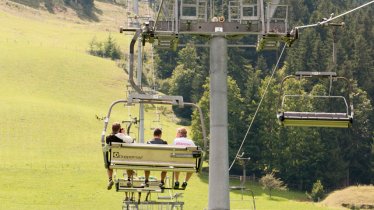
(299, 155)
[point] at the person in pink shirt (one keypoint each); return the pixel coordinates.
(182, 140)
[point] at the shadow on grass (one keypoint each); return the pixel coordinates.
(84, 13)
(274, 198)
(30, 3)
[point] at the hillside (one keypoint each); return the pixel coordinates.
(51, 90)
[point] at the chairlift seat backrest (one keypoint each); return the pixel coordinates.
(154, 157)
(315, 119)
(316, 115)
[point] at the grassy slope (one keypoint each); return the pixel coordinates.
(50, 92)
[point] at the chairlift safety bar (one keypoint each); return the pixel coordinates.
(312, 96)
(315, 73)
(140, 98)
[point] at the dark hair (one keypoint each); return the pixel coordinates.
(157, 132)
(116, 127)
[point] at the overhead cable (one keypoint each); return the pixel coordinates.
(325, 21)
(258, 107)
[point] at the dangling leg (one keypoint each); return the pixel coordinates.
(146, 197)
(176, 177)
(146, 181)
(163, 176)
(111, 182)
(188, 176)
(139, 196)
(130, 174)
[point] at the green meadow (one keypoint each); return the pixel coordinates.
(50, 93)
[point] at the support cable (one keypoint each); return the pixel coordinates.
(333, 18)
(258, 107)
(158, 15)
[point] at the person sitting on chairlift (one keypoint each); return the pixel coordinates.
(118, 135)
(157, 133)
(182, 140)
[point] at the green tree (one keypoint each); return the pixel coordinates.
(107, 49)
(270, 182)
(186, 79)
(165, 63)
(235, 116)
(317, 192)
(111, 49)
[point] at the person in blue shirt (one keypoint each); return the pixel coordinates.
(157, 133)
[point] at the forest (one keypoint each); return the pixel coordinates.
(298, 155)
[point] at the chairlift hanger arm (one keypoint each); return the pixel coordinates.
(205, 148)
(146, 34)
(280, 101)
(131, 70)
(350, 99)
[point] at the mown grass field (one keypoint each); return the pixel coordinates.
(51, 91)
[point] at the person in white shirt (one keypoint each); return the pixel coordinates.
(124, 137)
(182, 140)
(118, 135)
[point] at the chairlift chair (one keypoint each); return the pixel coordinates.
(152, 157)
(316, 119)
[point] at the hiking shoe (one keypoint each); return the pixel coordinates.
(110, 184)
(145, 184)
(184, 185)
(162, 185)
(176, 185)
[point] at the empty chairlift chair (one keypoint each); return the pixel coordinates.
(316, 119)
